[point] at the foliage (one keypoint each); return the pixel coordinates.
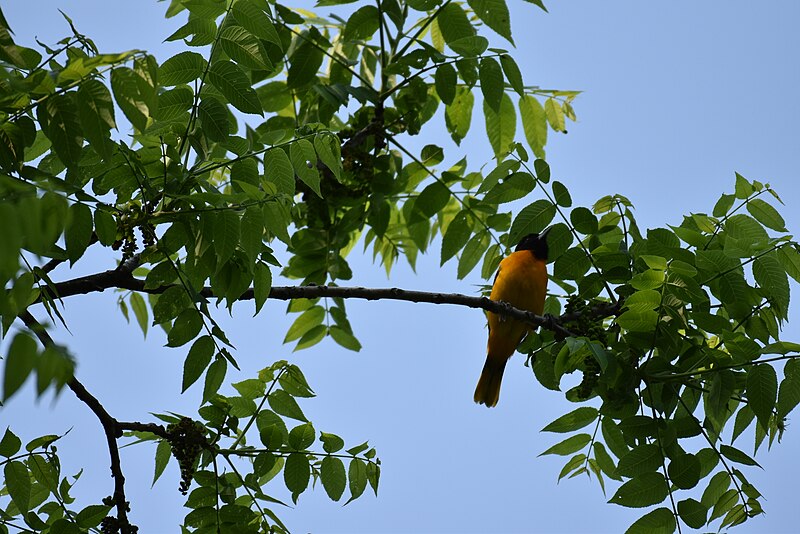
(280, 140)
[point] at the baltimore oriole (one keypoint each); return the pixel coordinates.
(521, 281)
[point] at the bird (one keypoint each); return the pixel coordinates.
(521, 281)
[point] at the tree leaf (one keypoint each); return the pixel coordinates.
(692, 512)
(513, 75)
(458, 115)
(214, 378)
(735, 455)
(251, 17)
(59, 120)
(641, 459)
(233, 83)
(182, 68)
(501, 126)
(491, 77)
(766, 214)
(532, 219)
(643, 490)
(574, 420)
(333, 476)
(357, 473)
(762, 390)
(684, 471)
(96, 114)
(19, 362)
(456, 235)
(243, 48)
(554, 114)
(658, 521)
(446, 82)
(18, 484)
(297, 472)
(163, 453)
(284, 404)
(78, 232)
(534, 124)
(495, 14)
(304, 161)
(569, 446)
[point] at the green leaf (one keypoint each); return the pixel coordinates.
(125, 84)
(472, 254)
(766, 214)
(304, 161)
(58, 117)
(96, 113)
(284, 404)
(140, 311)
(659, 521)
(643, 490)
(78, 232)
(446, 81)
(513, 187)
(605, 461)
(456, 235)
(201, 31)
(243, 48)
(473, 45)
(105, 226)
(554, 114)
(513, 75)
(771, 276)
(743, 187)
(458, 115)
(10, 444)
(454, 24)
(278, 169)
(163, 453)
(331, 442)
(362, 24)
(723, 205)
(788, 395)
(262, 284)
(333, 476)
(173, 103)
(213, 116)
(19, 362)
(328, 147)
(253, 19)
(534, 124)
(574, 420)
(638, 321)
(214, 378)
(92, 515)
(569, 446)
(233, 83)
(495, 14)
(357, 473)
(18, 484)
(735, 455)
(432, 199)
(501, 125)
(297, 472)
(491, 77)
(302, 436)
(561, 195)
(181, 68)
(226, 234)
(532, 219)
(305, 322)
(186, 326)
(305, 63)
(684, 471)
(762, 390)
(344, 338)
(641, 459)
(693, 513)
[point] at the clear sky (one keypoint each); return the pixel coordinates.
(678, 96)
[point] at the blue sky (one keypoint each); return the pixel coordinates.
(676, 98)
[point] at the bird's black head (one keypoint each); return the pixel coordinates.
(536, 243)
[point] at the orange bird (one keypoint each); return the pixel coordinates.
(521, 281)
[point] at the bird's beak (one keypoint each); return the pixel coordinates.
(544, 233)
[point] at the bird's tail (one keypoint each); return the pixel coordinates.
(488, 390)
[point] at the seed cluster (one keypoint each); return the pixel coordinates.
(187, 439)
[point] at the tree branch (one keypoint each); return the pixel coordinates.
(110, 425)
(123, 279)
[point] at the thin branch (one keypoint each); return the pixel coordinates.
(123, 279)
(110, 425)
